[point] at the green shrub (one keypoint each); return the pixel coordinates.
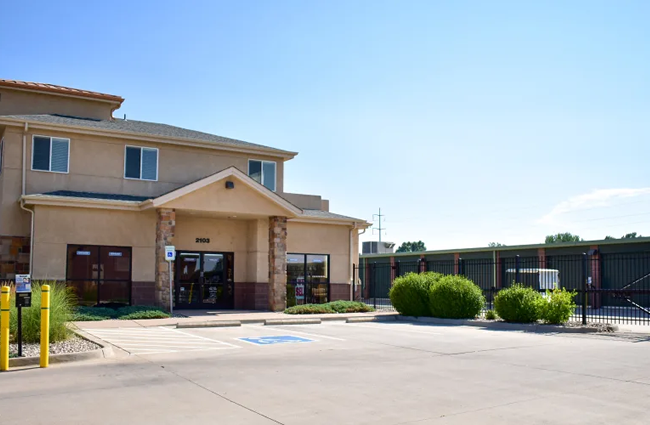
(142, 315)
(519, 304)
(350, 307)
(134, 312)
(310, 309)
(455, 297)
(61, 307)
(558, 306)
(330, 308)
(81, 317)
(410, 293)
(491, 315)
(98, 313)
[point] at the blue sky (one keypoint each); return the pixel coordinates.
(466, 122)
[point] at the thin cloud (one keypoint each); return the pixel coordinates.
(594, 199)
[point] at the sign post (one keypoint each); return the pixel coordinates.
(170, 255)
(23, 299)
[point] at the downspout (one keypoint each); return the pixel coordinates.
(22, 203)
(353, 229)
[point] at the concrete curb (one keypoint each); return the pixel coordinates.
(307, 321)
(371, 319)
(105, 351)
(503, 326)
(209, 324)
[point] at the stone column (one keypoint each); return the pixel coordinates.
(277, 263)
(165, 227)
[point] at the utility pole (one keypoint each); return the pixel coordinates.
(379, 229)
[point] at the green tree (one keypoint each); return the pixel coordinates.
(632, 235)
(562, 237)
(495, 244)
(412, 247)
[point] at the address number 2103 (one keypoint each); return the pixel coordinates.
(202, 240)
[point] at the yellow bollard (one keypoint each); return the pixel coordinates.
(4, 329)
(45, 325)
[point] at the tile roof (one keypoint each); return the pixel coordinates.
(29, 85)
(142, 127)
(95, 195)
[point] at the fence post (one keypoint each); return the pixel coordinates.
(517, 265)
(585, 297)
(373, 288)
(354, 282)
(397, 272)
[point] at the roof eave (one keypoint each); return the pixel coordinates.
(67, 201)
(597, 242)
(334, 221)
(118, 100)
(179, 141)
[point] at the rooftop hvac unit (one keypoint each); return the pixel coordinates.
(375, 247)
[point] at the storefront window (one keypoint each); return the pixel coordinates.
(307, 279)
(99, 274)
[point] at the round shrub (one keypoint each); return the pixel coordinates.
(455, 297)
(410, 293)
(558, 306)
(519, 304)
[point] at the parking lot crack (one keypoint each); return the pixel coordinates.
(222, 396)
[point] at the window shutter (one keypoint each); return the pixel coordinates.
(41, 154)
(60, 155)
(269, 175)
(149, 164)
(132, 163)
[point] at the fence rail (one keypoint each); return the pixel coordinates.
(610, 288)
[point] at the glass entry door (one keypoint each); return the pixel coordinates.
(204, 280)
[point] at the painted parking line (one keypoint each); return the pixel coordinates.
(158, 340)
(383, 327)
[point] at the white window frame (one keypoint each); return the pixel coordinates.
(34, 136)
(142, 148)
(262, 162)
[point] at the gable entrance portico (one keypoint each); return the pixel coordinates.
(227, 212)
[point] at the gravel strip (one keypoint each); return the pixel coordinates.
(74, 344)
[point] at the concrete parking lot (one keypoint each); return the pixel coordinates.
(337, 373)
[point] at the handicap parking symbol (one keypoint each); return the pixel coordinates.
(270, 340)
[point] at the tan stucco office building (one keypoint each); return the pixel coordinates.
(93, 200)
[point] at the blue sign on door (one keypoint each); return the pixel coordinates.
(269, 340)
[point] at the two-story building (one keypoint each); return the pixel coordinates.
(93, 200)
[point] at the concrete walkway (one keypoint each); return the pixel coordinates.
(198, 316)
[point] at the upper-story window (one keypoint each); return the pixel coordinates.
(141, 163)
(262, 172)
(50, 154)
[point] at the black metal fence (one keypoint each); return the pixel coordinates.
(610, 288)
